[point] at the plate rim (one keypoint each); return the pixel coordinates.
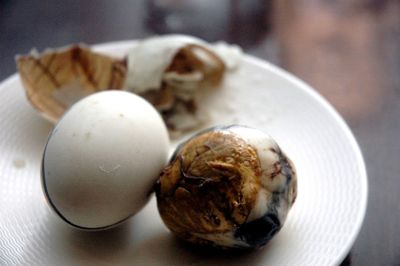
(300, 84)
(350, 136)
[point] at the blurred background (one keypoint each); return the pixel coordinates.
(348, 50)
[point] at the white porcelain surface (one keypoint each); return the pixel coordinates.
(320, 228)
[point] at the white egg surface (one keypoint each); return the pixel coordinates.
(103, 158)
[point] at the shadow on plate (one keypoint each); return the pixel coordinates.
(165, 249)
(127, 244)
(66, 244)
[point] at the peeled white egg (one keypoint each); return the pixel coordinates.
(103, 158)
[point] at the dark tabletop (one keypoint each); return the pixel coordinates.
(349, 50)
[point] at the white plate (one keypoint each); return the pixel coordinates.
(320, 229)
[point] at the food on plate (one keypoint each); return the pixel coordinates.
(102, 159)
(56, 79)
(180, 69)
(229, 187)
(169, 71)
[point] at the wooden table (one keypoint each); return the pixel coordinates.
(348, 50)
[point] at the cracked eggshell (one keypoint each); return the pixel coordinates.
(149, 60)
(103, 158)
(57, 78)
(230, 187)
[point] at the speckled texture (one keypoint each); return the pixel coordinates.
(217, 190)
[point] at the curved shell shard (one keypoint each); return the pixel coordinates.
(55, 79)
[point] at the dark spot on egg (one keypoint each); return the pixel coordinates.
(286, 168)
(258, 232)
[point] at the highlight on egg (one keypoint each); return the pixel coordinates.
(103, 158)
(230, 187)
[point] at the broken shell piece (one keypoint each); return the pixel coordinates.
(167, 58)
(169, 71)
(229, 187)
(183, 65)
(192, 67)
(183, 117)
(56, 79)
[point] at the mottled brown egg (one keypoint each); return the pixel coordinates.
(229, 187)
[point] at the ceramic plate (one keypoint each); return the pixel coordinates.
(320, 228)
